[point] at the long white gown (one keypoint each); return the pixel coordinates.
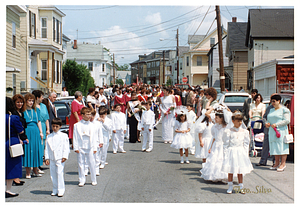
(168, 121)
(236, 147)
(211, 170)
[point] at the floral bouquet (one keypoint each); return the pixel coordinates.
(169, 110)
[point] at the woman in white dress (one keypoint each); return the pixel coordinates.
(167, 107)
(236, 147)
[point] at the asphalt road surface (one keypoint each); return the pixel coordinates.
(157, 177)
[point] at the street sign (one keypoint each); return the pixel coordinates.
(184, 79)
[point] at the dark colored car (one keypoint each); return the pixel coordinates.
(63, 112)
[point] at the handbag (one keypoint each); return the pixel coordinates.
(16, 149)
(288, 138)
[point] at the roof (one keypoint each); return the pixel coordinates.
(236, 36)
(123, 73)
(195, 38)
(86, 51)
(151, 56)
(183, 49)
(270, 23)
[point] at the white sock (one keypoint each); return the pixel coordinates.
(241, 185)
(230, 187)
(186, 158)
(181, 158)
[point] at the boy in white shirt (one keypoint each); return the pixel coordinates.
(106, 131)
(56, 153)
(85, 145)
(118, 128)
(99, 139)
(147, 123)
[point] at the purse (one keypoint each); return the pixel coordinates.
(16, 149)
(288, 138)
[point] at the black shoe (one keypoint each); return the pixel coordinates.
(259, 164)
(9, 195)
(18, 184)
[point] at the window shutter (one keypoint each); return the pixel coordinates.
(30, 33)
(53, 29)
(57, 31)
(34, 25)
(60, 42)
(53, 69)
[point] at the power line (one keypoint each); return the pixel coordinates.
(91, 8)
(148, 27)
(235, 24)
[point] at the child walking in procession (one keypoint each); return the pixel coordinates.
(191, 117)
(236, 148)
(211, 169)
(56, 153)
(106, 131)
(85, 145)
(119, 129)
(97, 128)
(182, 139)
(203, 136)
(147, 123)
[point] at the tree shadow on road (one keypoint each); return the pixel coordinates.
(71, 182)
(72, 173)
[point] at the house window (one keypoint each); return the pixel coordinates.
(57, 31)
(14, 83)
(58, 73)
(44, 27)
(32, 25)
(199, 60)
(44, 69)
(54, 29)
(157, 63)
(180, 66)
(13, 35)
(90, 66)
(187, 60)
(212, 42)
(103, 67)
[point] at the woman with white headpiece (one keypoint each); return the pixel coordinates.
(182, 139)
(211, 170)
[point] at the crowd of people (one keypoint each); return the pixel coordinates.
(192, 121)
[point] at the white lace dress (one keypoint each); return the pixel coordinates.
(182, 140)
(167, 120)
(236, 147)
(211, 170)
(202, 152)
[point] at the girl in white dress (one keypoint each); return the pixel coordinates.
(211, 170)
(203, 136)
(182, 139)
(236, 148)
(168, 116)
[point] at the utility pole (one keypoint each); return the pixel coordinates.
(177, 54)
(114, 72)
(163, 67)
(221, 63)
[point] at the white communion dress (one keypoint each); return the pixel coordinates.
(167, 120)
(236, 148)
(182, 140)
(202, 152)
(211, 170)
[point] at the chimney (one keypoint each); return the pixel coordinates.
(234, 19)
(75, 44)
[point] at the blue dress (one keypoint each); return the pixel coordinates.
(33, 153)
(44, 116)
(13, 165)
(280, 117)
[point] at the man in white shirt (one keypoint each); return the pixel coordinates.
(102, 98)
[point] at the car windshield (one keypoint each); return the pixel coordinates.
(235, 99)
(61, 109)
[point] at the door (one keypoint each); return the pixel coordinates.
(33, 72)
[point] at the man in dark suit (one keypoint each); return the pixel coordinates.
(52, 114)
(246, 106)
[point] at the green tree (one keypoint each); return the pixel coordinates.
(119, 81)
(77, 77)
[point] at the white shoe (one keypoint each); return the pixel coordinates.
(106, 163)
(149, 150)
(41, 172)
(94, 183)
(114, 152)
(102, 166)
(123, 151)
(143, 150)
(81, 184)
(230, 187)
(97, 173)
(181, 161)
(165, 142)
(187, 162)
(170, 142)
(60, 195)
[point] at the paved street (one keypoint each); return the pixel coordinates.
(158, 177)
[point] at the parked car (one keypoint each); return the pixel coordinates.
(69, 99)
(234, 100)
(63, 112)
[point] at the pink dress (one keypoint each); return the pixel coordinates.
(75, 106)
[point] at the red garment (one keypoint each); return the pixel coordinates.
(75, 107)
(127, 98)
(122, 103)
(178, 100)
(143, 98)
